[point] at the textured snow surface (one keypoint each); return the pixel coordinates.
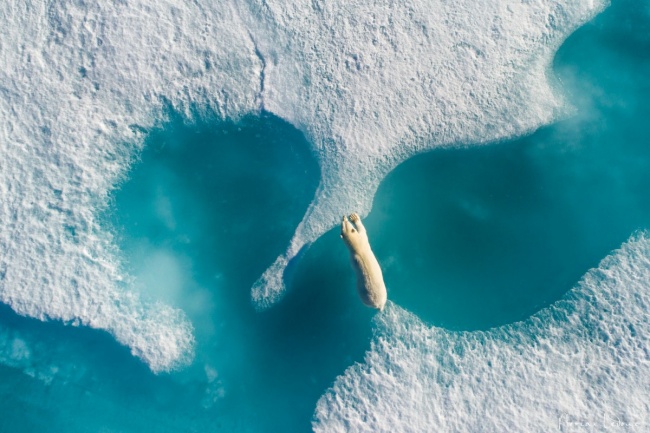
(369, 83)
(79, 80)
(373, 83)
(581, 365)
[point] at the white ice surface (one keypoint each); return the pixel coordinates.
(581, 365)
(370, 84)
(80, 82)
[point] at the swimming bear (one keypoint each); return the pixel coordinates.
(370, 281)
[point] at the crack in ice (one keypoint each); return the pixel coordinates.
(260, 57)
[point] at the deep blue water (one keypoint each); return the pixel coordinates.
(468, 239)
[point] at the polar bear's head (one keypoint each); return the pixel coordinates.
(353, 236)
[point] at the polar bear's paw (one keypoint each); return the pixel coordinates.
(354, 217)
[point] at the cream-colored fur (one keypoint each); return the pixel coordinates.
(370, 281)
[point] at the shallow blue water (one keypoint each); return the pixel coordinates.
(202, 214)
(468, 239)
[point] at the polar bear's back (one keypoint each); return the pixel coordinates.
(370, 280)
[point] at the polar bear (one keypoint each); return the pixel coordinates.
(370, 281)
